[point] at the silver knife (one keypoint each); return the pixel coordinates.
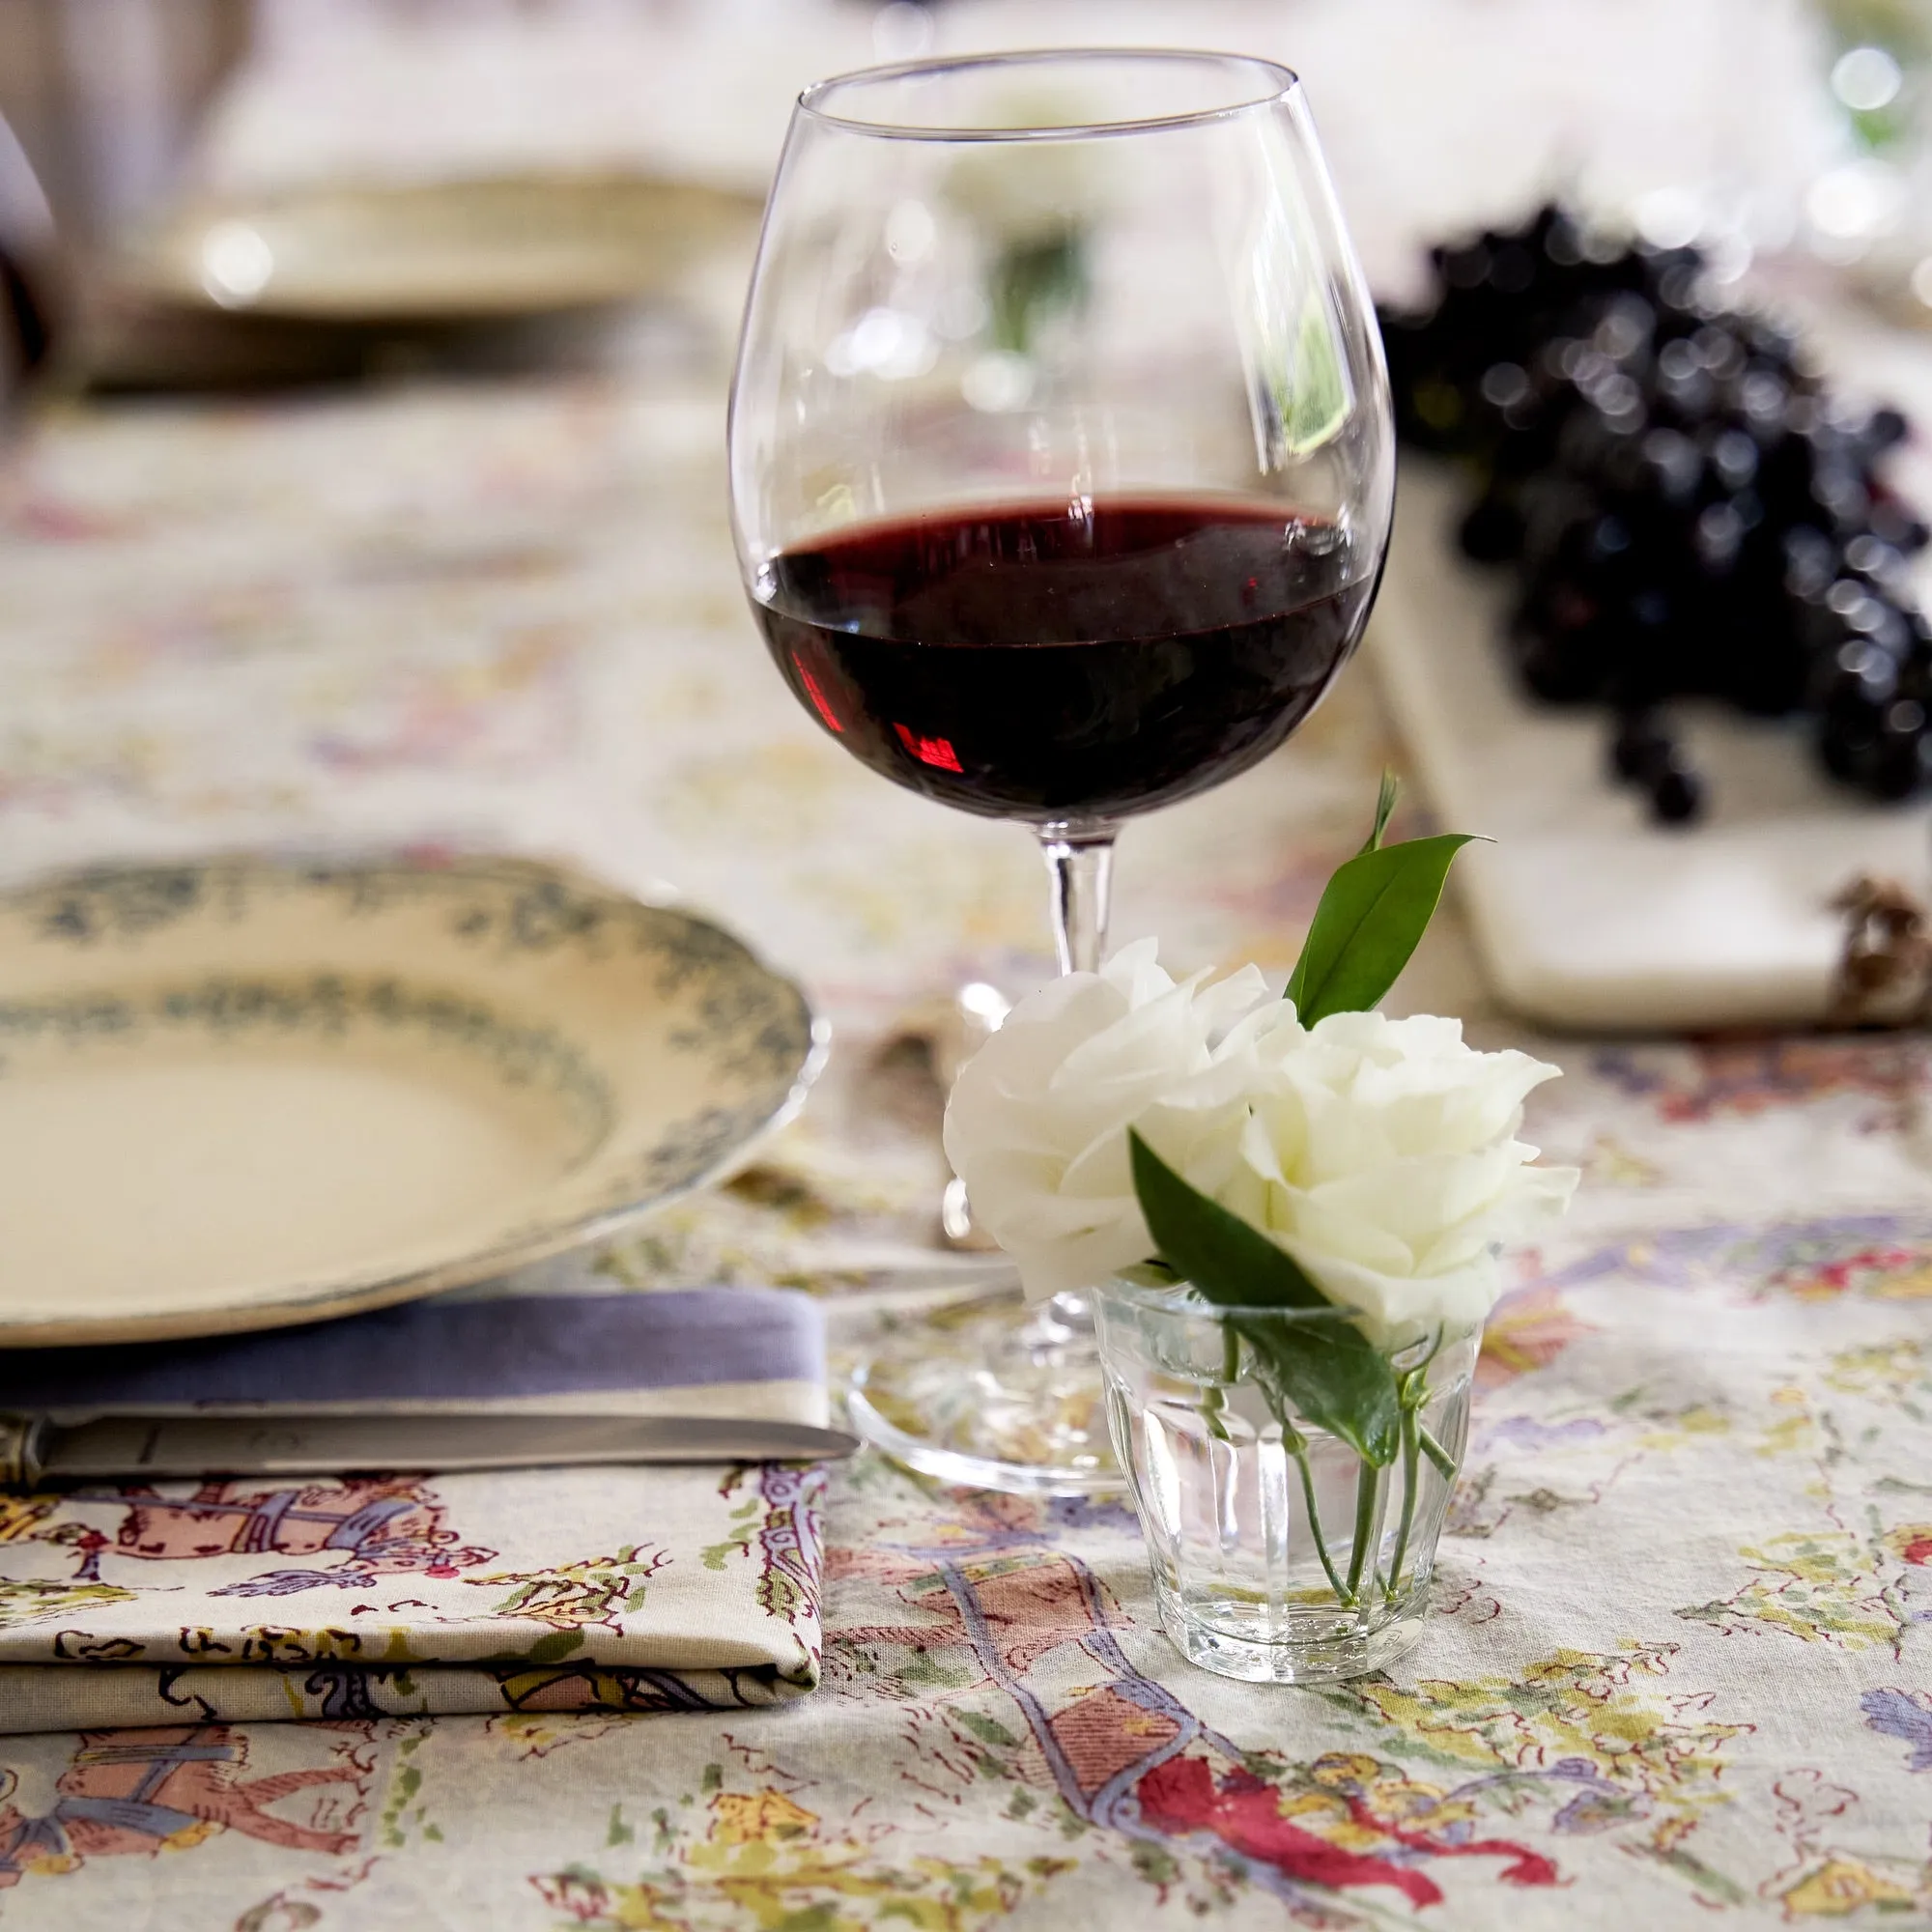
(37, 1448)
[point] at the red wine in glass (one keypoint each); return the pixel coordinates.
(1067, 662)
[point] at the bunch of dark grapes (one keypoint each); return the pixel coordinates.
(1689, 510)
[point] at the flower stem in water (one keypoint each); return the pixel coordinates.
(1215, 1403)
(1436, 1453)
(1298, 1446)
(1412, 1427)
(1367, 1485)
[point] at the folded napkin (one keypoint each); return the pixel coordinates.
(593, 1589)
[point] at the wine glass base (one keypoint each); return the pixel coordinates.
(982, 1395)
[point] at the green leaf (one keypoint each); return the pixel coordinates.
(1372, 916)
(1385, 798)
(1325, 1367)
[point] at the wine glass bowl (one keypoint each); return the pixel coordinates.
(1058, 366)
(1062, 467)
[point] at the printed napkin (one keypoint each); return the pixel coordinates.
(592, 1589)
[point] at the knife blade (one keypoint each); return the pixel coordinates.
(289, 1444)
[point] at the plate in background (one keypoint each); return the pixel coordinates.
(1585, 913)
(439, 251)
(243, 1092)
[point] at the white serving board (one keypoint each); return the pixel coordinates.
(1585, 913)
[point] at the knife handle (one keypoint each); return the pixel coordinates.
(21, 1438)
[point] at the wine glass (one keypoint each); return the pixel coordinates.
(1062, 470)
(26, 240)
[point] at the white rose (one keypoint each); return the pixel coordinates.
(1037, 1122)
(1382, 1156)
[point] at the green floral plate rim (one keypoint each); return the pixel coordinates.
(246, 1091)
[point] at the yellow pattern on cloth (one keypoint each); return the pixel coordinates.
(1677, 1671)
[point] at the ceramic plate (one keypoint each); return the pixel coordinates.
(245, 1092)
(441, 250)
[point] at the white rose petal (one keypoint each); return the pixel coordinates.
(1381, 1155)
(1037, 1122)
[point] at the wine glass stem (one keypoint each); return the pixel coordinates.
(1080, 862)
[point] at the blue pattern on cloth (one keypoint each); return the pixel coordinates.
(447, 1351)
(413, 1593)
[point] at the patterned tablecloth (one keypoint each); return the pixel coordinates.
(1678, 1673)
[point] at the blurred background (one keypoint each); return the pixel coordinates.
(491, 231)
(166, 133)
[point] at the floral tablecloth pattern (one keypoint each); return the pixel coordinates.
(1681, 1669)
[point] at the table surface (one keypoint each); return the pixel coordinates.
(1677, 1668)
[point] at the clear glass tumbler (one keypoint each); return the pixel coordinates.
(1278, 1555)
